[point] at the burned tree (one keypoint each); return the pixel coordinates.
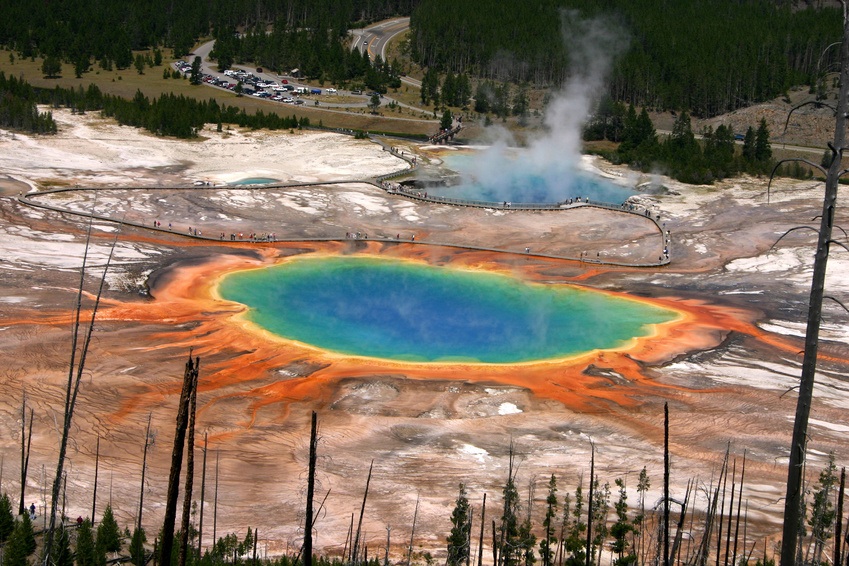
(167, 543)
(793, 498)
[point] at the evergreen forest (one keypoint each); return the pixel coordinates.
(108, 31)
(704, 57)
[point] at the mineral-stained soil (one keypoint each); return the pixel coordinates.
(726, 370)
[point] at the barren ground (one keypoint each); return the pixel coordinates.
(726, 371)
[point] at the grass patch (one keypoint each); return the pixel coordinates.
(125, 83)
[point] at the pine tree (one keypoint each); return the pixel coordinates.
(575, 543)
(195, 76)
(483, 97)
(823, 514)
(509, 546)
(447, 120)
(527, 542)
(521, 102)
(449, 90)
(51, 66)
(621, 529)
(247, 544)
(547, 545)
(85, 545)
(27, 533)
(15, 553)
(137, 556)
(763, 149)
(749, 147)
(682, 147)
(108, 533)
(139, 63)
(643, 485)
(61, 554)
(7, 519)
(464, 91)
(509, 542)
(458, 540)
(601, 506)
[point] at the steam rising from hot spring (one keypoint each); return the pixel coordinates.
(552, 156)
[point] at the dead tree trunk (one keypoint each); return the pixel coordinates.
(679, 531)
(838, 527)
(710, 517)
(311, 492)
(590, 551)
(412, 531)
(739, 506)
(24, 453)
(167, 542)
(215, 503)
(202, 494)
(730, 510)
(793, 497)
(666, 484)
(724, 480)
(190, 473)
(143, 470)
(94, 488)
(76, 368)
(483, 522)
(355, 550)
(349, 540)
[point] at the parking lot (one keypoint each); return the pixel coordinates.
(283, 89)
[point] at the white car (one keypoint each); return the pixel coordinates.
(330, 91)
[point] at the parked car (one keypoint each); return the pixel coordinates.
(357, 91)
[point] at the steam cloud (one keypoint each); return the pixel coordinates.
(548, 164)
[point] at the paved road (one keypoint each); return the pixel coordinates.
(775, 145)
(376, 38)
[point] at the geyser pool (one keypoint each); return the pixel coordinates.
(408, 311)
(255, 181)
(510, 177)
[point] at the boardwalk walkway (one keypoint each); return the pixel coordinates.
(393, 189)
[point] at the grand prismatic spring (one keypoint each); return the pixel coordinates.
(414, 312)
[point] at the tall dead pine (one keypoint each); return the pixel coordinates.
(793, 500)
(190, 472)
(202, 496)
(25, 451)
(483, 522)
(356, 547)
(167, 543)
(80, 342)
(308, 522)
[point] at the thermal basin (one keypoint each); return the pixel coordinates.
(412, 311)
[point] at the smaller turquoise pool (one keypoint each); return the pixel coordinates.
(408, 311)
(511, 178)
(255, 181)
